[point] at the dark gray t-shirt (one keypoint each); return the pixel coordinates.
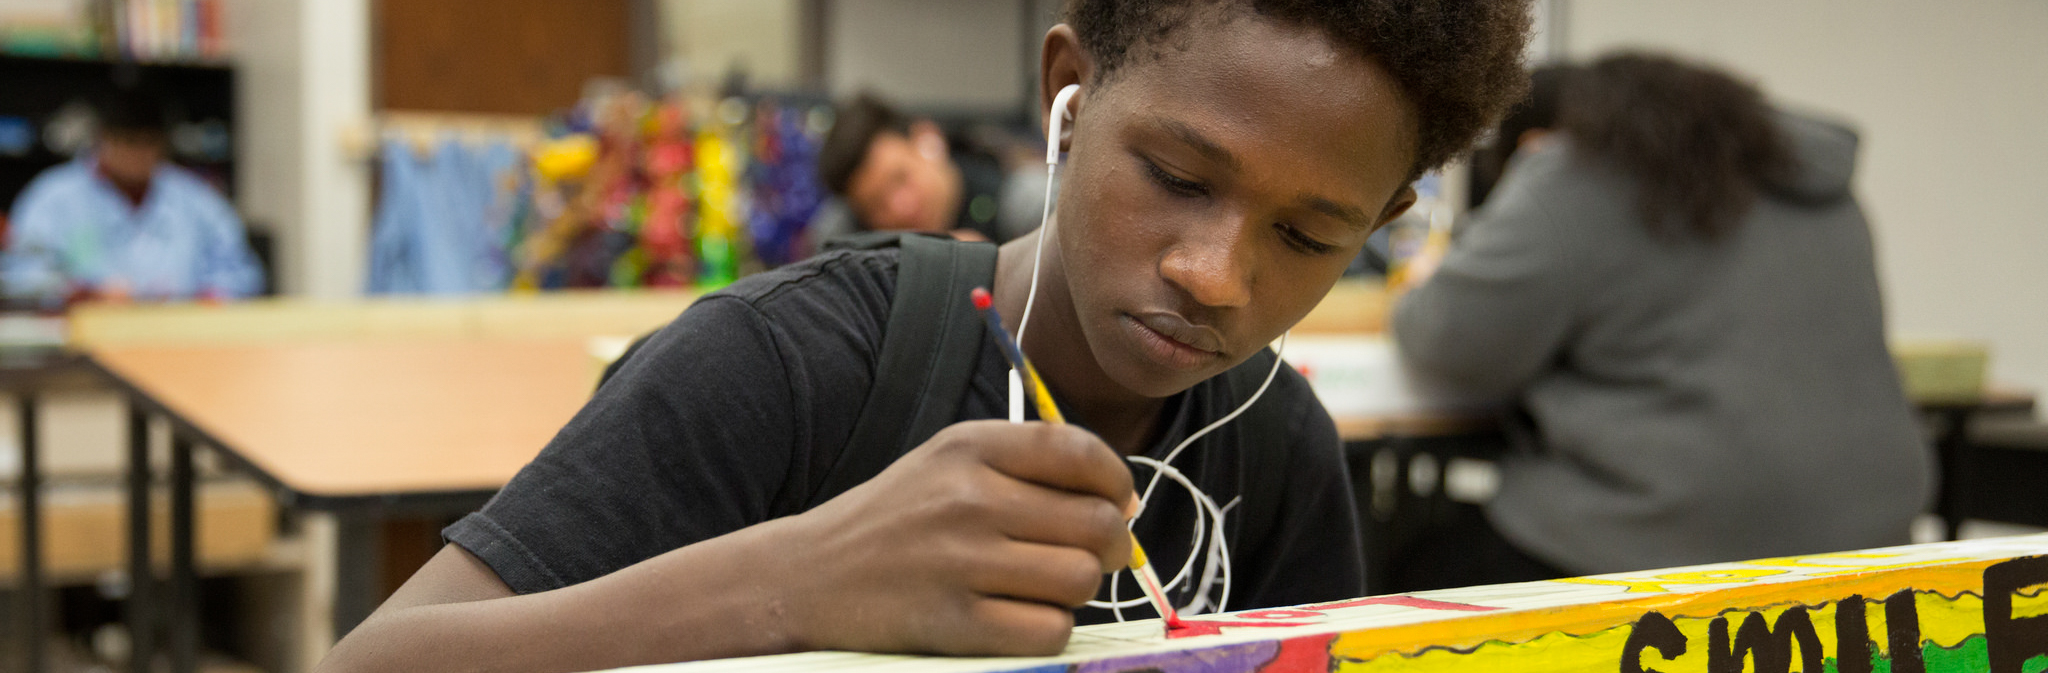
(733, 414)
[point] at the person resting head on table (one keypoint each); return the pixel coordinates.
(1675, 284)
(1225, 161)
(898, 173)
(122, 222)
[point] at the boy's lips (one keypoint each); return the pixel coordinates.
(1173, 341)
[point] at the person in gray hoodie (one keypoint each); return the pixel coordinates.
(1678, 291)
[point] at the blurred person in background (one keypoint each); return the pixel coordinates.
(123, 223)
(1677, 287)
(898, 173)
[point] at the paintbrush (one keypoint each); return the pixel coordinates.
(1050, 412)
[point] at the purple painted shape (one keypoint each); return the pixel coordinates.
(1048, 668)
(1238, 658)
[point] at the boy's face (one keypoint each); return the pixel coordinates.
(906, 182)
(1216, 190)
(128, 159)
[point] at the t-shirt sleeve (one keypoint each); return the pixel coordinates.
(1312, 553)
(692, 438)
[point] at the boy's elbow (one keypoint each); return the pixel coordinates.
(1461, 379)
(377, 645)
(1437, 364)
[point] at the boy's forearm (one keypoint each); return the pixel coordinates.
(714, 599)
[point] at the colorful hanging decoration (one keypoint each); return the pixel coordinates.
(628, 191)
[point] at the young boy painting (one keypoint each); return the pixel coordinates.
(1225, 161)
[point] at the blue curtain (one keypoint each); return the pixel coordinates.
(441, 221)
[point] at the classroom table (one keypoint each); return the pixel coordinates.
(354, 431)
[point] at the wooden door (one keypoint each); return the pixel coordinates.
(497, 56)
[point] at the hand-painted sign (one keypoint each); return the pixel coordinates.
(1978, 605)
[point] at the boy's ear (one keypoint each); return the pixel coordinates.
(1401, 202)
(1062, 61)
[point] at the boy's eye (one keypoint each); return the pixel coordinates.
(1302, 242)
(1173, 183)
(1293, 236)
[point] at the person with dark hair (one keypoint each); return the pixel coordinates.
(1527, 123)
(1677, 289)
(1225, 160)
(896, 173)
(123, 222)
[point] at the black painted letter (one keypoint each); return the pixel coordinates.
(2011, 642)
(1770, 648)
(1902, 632)
(1853, 650)
(1652, 631)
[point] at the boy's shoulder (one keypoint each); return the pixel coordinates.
(833, 283)
(63, 181)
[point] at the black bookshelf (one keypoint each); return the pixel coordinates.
(33, 89)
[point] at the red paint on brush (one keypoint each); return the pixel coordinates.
(981, 299)
(1174, 622)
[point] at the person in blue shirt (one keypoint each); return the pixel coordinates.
(123, 223)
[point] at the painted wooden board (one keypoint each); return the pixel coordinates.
(1977, 605)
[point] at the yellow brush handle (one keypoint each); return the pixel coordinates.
(1137, 553)
(1046, 409)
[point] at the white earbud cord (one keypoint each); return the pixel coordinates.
(1056, 119)
(1208, 524)
(1218, 549)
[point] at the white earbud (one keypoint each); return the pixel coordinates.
(1064, 113)
(1057, 117)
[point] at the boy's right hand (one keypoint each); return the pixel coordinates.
(979, 541)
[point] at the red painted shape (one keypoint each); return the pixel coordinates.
(1208, 627)
(1189, 628)
(1307, 654)
(1403, 601)
(1281, 614)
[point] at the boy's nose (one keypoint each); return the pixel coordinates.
(1212, 265)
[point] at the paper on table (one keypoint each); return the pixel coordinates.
(1362, 376)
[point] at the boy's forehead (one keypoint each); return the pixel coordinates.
(1244, 60)
(1263, 89)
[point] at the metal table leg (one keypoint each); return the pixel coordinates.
(183, 613)
(357, 568)
(141, 622)
(1952, 454)
(31, 540)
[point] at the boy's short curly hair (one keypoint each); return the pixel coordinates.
(1459, 61)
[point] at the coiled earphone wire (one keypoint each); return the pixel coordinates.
(1209, 542)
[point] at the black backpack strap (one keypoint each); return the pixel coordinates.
(929, 351)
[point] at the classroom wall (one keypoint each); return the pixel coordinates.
(712, 35)
(962, 55)
(1954, 115)
(304, 81)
